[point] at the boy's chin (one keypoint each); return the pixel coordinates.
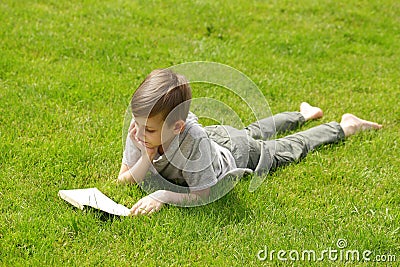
(150, 146)
(147, 145)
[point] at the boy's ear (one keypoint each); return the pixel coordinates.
(179, 126)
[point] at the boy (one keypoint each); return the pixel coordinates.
(166, 139)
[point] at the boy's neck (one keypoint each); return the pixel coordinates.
(160, 150)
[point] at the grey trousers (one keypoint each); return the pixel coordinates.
(253, 148)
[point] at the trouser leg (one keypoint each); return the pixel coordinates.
(296, 146)
(267, 128)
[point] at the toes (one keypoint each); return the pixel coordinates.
(354, 124)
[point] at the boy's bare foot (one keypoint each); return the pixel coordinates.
(352, 124)
(309, 112)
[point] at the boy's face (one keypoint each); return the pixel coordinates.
(153, 132)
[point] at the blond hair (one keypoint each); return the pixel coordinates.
(162, 92)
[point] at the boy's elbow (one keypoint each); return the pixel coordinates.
(123, 178)
(120, 179)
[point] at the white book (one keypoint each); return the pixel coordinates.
(94, 198)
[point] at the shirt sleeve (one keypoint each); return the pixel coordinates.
(131, 153)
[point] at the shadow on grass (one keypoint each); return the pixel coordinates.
(96, 213)
(229, 209)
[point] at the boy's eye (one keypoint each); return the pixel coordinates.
(150, 131)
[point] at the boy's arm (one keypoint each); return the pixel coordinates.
(156, 200)
(140, 168)
(124, 175)
(135, 174)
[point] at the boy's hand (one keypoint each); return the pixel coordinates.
(146, 151)
(149, 152)
(146, 205)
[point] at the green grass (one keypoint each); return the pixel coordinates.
(68, 69)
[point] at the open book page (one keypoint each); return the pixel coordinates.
(94, 198)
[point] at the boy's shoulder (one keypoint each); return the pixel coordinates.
(193, 128)
(192, 149)
(192, 137)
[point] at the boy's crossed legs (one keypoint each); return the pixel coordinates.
(296, 146)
